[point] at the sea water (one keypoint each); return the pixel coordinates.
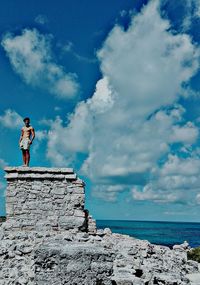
(163, 233)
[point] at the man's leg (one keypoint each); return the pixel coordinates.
(27, 157)
(24, 156)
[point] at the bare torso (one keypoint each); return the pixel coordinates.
(26, 132)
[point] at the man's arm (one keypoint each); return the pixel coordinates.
(32, 135)
(21, 136)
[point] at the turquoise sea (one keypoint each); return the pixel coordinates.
(164, 233)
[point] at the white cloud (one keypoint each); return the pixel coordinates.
(41, 19)
(190, 10)
(107, 192)
(57, 108)
(197, 8)
(198, 198)
(194, 7)
(63, 142)
(186, 134)
(67, 47)
(41, 134)
(30, 56)
(11, 119)
(177, 181)
(80, 128)
(133, 118)
(123, 13)
(3, 163)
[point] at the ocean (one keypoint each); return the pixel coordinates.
(163, 233)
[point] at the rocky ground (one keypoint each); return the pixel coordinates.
(105, 258)
(49, 238)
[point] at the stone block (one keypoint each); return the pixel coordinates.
(58, 191)
(9, 209)
(79, 213)
(75, 190)
(70, 222)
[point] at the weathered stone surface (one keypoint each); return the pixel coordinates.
(39, 176)
(39, 173)
(54, 170)
(194, 277)
(49, 238)
(148, 263)
(39, 198)
(71, 222)
(73, 263)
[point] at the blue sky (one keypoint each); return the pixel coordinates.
(112, 89)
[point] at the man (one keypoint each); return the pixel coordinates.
(26, 139)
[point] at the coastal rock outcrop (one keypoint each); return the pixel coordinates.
(50, 238)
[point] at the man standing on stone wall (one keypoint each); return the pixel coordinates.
(26, 139)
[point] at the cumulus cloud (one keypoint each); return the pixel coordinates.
(41, 134)
(175, 181)
(134, 118)
(64, 142)
(107, 192)
(193, 7)
(11, 119)
(187, 133)
(30, 57)
(189, 11)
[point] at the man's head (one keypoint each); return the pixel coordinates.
(26, 121)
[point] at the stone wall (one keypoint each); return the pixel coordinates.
(41, 198)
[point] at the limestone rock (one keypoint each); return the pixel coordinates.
(50, 239)
(72, 263)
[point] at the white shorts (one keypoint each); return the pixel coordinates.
(25, 144)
